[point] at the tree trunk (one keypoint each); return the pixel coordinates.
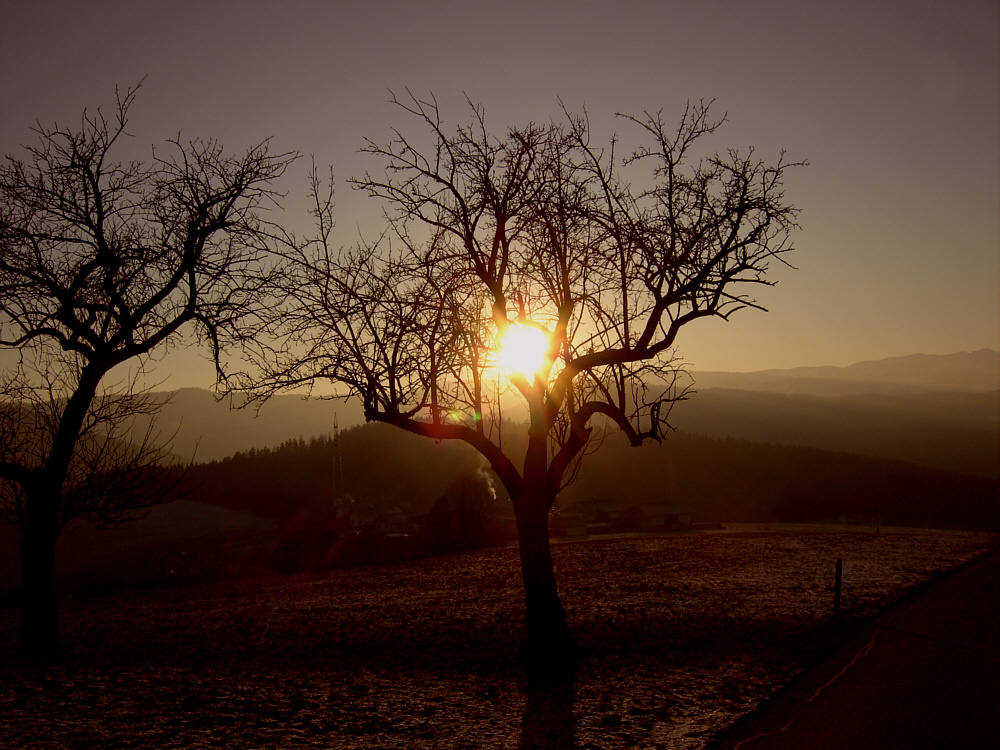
(548, 645)
(39, 638)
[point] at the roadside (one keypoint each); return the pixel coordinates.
(923, 675)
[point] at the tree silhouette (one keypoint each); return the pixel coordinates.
(103, 265)
(539, 228)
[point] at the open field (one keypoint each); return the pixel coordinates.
(680, 636)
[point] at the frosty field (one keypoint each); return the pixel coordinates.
(680, 635)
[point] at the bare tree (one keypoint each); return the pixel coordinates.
(105, 264)
(117, 465)
(538, 229)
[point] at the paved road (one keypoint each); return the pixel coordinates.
(924, 675)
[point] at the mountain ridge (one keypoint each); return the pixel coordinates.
(951, 428)
(977, 371)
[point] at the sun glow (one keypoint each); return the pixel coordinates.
(523, 350)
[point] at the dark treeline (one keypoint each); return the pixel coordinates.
(720, 479)
(373, 494)
(735, 480)
(380, 468)
(949, 431)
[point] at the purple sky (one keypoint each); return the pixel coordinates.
(895, 104)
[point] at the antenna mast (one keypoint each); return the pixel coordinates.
(338, 462)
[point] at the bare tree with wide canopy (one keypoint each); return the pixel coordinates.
(536, 236)
(105, 264)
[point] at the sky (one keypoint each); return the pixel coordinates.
(895, 105)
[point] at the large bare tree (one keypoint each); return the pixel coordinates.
(536, 234)
(104, 264)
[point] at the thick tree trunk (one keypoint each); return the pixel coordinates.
(548, 645)
(39, 638)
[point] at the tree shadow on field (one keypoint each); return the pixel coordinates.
(548, 720)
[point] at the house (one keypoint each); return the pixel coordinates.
(501, 529)
(657, 517)
(588, 517)
(391, 522)
(562, 525)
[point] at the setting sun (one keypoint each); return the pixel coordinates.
(523, 350)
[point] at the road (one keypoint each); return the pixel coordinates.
(924, 675)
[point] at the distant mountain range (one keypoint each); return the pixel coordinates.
(918, 373)
(941, 411)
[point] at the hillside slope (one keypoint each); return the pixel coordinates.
(949, 431)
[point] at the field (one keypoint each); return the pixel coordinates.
(680, 636)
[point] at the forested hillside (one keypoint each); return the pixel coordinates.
(726, 479)
(951, 431)
(720, 479)
(381, 467)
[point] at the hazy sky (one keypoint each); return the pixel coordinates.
(896, 105)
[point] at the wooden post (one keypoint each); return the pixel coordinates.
(836, 587)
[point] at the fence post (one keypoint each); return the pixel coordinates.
(836, 587)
